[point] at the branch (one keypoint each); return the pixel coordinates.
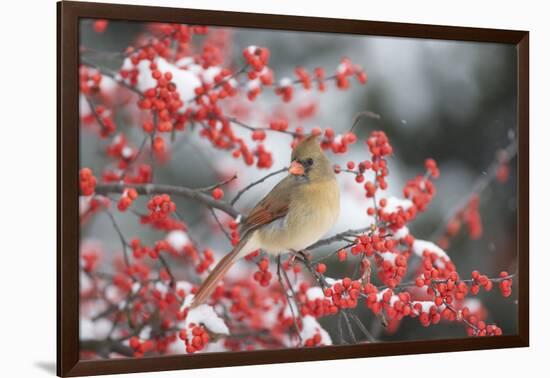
(212, 187)
(110, 74)
(362, 327)
(364, 114)
(105, 347)
(326, 257)
(182, 191)
(134, 159)
(482, 182)
(280, 269)
(471, 281)
(123, 240)
(453, 309)
(479, 186)
(251, 185)
(344, 315)
(338, 237)
(96, 115)
(220, 225)
(409, 284)
(168, 270)
(252, 128)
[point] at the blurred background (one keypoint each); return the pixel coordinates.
(451, 101)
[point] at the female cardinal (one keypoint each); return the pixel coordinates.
(297, 212)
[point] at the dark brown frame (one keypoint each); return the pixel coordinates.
(68, 15)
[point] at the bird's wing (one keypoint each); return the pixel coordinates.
(273, 206)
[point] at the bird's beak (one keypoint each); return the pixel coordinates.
(296, 168)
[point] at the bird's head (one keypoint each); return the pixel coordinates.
(309, 160)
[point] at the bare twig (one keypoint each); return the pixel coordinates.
(364, 114)
(220, 225)
(168, 270)
(123, 240)
(222, 183)
(95, 113)
(344, 315)
(289, 302)
(291, 288)
(140, 150)
(362, 327)
(251, 185)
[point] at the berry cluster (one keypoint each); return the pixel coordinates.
(160, 207)
(90, 259)
(160, 246)
(480, 280)
(140, 347)
(260, 75)
(472, 218)
(89, 81)
(369, 244)
(379, 148)
(256, 57)
(315, 340)
(263, 275)
(206, 260)
(279, 124)
(314, 303)
(432, 168)
(284, 89)
(128, 196)
(420, 191)
(87, 182)
(338, 144)
(391, 266)
(196, 339)
(344, 294)
(347, 69)
(505, 285)
(303, 77)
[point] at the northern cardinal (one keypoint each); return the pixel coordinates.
(297, 212)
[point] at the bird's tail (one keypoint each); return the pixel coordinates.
(217, 273)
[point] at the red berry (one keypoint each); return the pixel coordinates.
(321, 268)
(342, 255)
(100, 26)
(217, 193)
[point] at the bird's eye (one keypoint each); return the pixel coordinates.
(309, 162)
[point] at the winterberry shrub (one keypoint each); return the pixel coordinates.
(177, 83)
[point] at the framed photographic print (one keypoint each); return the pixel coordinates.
(240, 188)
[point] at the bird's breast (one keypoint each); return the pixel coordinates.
(313, 210)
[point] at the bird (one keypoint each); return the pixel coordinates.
(295, 214)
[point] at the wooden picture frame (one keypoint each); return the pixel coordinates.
(69, 14)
